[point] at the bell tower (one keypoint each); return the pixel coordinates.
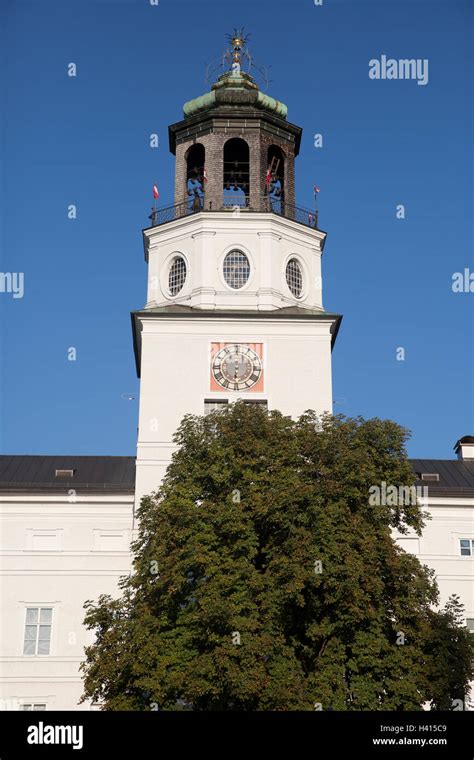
(234, 299)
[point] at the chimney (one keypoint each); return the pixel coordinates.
(464, 448)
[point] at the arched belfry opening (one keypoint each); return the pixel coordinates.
(243, 130)
(236, 173)
(275, 184)
(195, 163)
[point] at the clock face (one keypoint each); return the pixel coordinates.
(236, 367)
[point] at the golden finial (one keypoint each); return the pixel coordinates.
(238, 41)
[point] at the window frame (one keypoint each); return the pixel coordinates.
(247, 265)
(217, 402)
(177, 258)
(470, 548)
(38, 624)
(163, 277)
(239, 248)
(305, 277)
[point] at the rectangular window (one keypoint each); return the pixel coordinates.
(33, 706)
(38, 630)
(467, 547)
(433, 476)
(214, 406)
(64, 474)
(262, 402)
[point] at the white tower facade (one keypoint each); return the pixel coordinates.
(234, 304)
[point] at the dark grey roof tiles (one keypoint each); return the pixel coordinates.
(456, 477)
(117, 474)
(32, 473)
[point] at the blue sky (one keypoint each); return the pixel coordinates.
(85, 141)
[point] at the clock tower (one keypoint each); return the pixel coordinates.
(234, 300)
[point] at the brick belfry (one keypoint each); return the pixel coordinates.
(236, 109)
(234, 301)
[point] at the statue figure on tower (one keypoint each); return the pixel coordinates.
(274, 193)
(234, 195)
(238, 41)
(236, 63)
(195, 192)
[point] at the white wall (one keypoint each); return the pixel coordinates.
(175, 375)
(203, 240)
(450, 520)
(88, 551)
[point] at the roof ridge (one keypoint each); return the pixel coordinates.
(75, 456)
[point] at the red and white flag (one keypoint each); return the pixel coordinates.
(205, 175)
(316, 190)
(155, 192)
(268, 177)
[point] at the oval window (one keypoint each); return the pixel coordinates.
(294, 277)
(236, 269)
(177, 275)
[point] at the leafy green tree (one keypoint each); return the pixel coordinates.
(265, 578)
(449, 650)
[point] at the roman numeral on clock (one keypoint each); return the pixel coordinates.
(236, 367)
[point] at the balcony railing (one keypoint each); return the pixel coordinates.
(170, 213)
(281, 208)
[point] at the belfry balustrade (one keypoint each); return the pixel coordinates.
(298, 214)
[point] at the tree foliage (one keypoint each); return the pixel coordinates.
(264, 579)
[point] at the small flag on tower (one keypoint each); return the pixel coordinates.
(155, 192)
(316, 191)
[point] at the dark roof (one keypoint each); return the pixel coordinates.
(466, 439)
(37, 473)
(456, 477)
(178, 310)
(117, 474)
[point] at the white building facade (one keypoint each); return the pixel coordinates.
(66, 527)
(234, 310)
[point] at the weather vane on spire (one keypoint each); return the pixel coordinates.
(238, 40)
(236, 59)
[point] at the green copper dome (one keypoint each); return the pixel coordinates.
(235, 89)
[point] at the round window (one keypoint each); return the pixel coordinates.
(177, 275)
(236, 269)
(294, 277)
